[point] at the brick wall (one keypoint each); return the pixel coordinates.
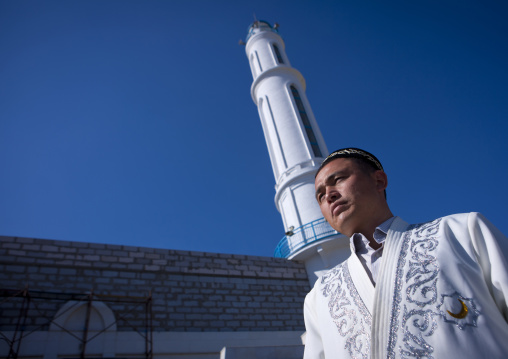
(191, 291)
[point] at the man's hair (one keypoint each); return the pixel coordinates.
(351, 152)
(365, 166)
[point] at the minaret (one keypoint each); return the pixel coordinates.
(296, 149)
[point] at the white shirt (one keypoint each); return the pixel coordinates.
(369, 257)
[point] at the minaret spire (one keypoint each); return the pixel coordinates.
(293, 138)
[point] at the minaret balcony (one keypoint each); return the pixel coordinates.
(296, 239)
(259, 26)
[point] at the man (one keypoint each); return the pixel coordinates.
(431, 290)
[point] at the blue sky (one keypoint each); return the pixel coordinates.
(131, 122)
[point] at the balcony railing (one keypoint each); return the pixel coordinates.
(302, 236)
(260, 24)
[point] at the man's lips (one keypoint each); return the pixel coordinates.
(337, 208)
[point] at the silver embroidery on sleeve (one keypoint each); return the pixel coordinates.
(348, 311)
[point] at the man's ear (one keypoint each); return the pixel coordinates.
(381, 180)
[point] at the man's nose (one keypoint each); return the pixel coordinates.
(331, 195)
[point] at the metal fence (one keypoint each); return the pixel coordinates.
(302, 236)
(34, 311)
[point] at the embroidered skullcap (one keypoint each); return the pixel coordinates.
(351, 152)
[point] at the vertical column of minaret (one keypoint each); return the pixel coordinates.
(293, 138)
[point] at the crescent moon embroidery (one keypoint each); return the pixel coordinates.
(463, 312)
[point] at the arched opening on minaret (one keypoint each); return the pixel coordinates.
(255, 64)
(306, 123)
(278, 55)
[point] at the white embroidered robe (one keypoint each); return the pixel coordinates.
(441, 292)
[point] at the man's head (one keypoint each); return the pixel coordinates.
(350, 189)
(366, 159)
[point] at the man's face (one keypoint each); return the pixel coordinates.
(348, 195)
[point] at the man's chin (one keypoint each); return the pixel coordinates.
(342, 227)
(338, 226)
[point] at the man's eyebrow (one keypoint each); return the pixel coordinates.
(328, 179)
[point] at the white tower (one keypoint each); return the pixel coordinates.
(296, 149)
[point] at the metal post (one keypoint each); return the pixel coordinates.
(23, 313)
(26, 300)
(149, 327)
(313, 230)
(87, 323)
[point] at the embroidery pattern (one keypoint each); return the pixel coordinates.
(352, 318)
(418, 316)
(421, 290)
(397, 297)
(463, 321)
(423, 325)
(420, 284)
